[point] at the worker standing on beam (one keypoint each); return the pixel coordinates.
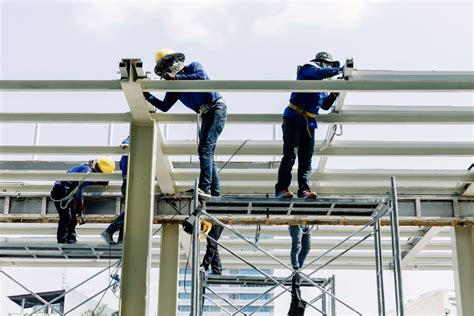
(299, 124)
(68, 197)
(209, 105)
(117, 225)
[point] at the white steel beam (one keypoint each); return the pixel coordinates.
(65, 118)
(169, 270)
(140, 201)
(352, 114)
(463, 257)
(60, 85)
(164, 167)
(185, 174)
(62, 150)
(268, 148)
(421, 244)
(435, 82)
(340, 148)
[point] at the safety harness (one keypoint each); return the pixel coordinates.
(305, 114)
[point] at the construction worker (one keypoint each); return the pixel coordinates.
(209, 105)
(212, 259)
(68, 197)
(117, 224)
(300, 244)
(299, 124)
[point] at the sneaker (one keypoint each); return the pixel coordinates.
(284, 194)
(205, 195)
(107, 237)
(308, 195)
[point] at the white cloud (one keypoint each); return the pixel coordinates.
(322, 14)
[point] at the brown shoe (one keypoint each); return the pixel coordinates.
(308, 195)
(284, 194)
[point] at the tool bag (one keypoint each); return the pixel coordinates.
(298, 305)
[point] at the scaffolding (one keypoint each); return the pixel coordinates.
(348, 197)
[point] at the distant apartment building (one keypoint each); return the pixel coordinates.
(434, 303)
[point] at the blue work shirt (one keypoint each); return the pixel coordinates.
(124, 159)
(82, 168)
(310, 101)
(192, 100)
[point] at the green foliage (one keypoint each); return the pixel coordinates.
(98, 312)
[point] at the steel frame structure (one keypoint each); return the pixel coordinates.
(156, 153)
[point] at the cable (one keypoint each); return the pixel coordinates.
(235, 153)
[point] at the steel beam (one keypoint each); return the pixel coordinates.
(169, 270)
(340, 148)
(435, 83)
(463, 261)
(140, 200)
(60, 85)
(420, 245)
(352, 114)
(62, 150)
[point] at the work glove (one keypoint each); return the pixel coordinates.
(169, 76)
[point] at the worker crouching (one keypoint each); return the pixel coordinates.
(68, 197)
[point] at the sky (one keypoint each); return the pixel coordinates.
(237, 40)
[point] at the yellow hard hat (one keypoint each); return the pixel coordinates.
(162, 53)
(106, 165)
(205, 228)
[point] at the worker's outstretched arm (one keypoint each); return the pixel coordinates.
(314, 73)
(169, 100)
(196, 72)
(329, 101)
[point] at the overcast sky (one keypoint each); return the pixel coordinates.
(238, 40)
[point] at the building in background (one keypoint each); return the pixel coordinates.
(236, 294)
(434, 303)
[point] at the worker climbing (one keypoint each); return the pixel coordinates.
(117, 225)
(209, 105)
(68, 197)
(299, 124)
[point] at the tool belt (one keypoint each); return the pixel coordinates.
(302, 112)
(203, 109)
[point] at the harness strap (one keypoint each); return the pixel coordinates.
(302, 112)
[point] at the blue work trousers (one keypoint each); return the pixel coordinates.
(296, 141)
(212, 124)
(300, 244)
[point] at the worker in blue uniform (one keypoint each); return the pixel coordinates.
(117, 224)
(209, 105)
(299, 124)
(68, 197)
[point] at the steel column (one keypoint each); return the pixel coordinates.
(138, 221)
(379, 269)
(333, 292)
(463, 256)
(195, 297)
(169, 269)
(397, 257)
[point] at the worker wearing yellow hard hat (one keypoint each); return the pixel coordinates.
(210, 105)
(68, 197)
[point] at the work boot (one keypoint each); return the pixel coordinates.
(284, 194)
(107, 237)
(308, 195)
(72, 238)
